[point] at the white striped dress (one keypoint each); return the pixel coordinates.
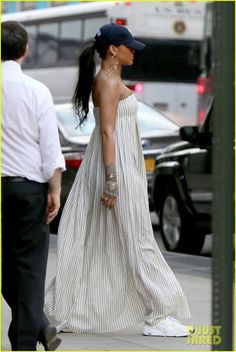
(111, 273)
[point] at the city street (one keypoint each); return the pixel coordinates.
(194, 274)
(135, 101)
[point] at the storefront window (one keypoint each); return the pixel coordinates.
(27, 5)
(58, 3)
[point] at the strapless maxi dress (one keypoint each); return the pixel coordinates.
(110, 272)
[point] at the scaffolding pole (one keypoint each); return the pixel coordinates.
(223, 173)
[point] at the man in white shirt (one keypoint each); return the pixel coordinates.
(31, 184)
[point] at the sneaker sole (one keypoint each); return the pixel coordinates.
(161, 334)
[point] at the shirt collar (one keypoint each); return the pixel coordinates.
(12, 65)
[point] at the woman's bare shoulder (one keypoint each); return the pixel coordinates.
(108, 86)
(105, 82)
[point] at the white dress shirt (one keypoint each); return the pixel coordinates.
(30, 140)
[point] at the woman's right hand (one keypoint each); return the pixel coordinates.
(109, 197)
(110, 193)
(108, 201)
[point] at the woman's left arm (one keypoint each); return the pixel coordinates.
(109, 99)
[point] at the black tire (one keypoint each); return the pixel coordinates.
(177, 228)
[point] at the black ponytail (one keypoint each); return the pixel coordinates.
(80, 99)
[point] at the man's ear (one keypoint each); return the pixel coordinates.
(26, 51)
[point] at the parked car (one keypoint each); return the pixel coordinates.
(157, 131)
(182, 188)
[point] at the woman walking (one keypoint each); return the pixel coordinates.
(111, 273)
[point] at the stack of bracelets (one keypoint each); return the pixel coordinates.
(111, 188)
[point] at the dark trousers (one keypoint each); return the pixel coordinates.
(25, 238)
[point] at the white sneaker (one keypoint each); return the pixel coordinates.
(168, 327)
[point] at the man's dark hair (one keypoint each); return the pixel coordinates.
(14, 40)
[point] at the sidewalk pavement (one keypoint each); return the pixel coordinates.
(194, 274)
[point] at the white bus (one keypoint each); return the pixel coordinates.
(164, 74)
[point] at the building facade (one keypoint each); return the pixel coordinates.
(15, 6)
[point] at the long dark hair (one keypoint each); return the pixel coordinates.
(87, 67)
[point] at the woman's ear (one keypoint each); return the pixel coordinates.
(112, 50)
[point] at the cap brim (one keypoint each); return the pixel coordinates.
(136, 45)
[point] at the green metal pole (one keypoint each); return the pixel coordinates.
(223, 173)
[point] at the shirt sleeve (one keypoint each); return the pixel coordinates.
(49, 143)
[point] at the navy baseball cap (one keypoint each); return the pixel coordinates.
(117, 34)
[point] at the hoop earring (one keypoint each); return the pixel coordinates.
(113, 68)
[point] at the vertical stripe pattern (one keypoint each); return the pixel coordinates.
(110, 272)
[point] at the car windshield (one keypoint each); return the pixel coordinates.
(152, 119)
(149, 120)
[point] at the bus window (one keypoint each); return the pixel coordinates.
(69, 50)
(49, 28)
(32, 29)
(70, 42)
(47, 44)
(47, 50)
(71, 30)
(166, 61)
(91, 26)
(31, 57)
